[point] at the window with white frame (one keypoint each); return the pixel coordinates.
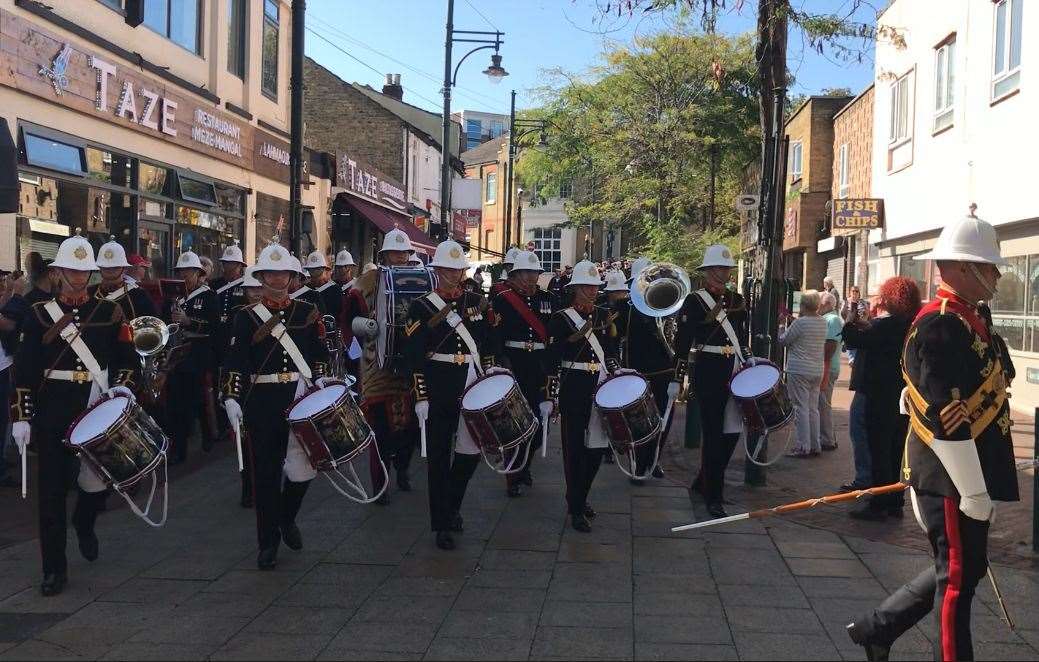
(842, 172)
(796, 158)
(1006, 57)
(944, 79)
(490, 195)
(548, 244)
(901, 126)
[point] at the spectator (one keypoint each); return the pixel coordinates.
(139, 268)
(828, 286)
(805, 340)
(878, 374)
(854, 307)
(831, 370)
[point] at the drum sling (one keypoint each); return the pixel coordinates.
(464, 442)
(228, 286)
(595, 436)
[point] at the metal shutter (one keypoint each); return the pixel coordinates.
(835, 270)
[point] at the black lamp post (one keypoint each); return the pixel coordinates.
(495, 72)
(517, 129)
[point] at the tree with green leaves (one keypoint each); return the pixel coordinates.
(639, 137)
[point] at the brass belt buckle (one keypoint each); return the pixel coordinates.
(593, 366)
(530, 346)
(728, 350)
(459, 358)
(284, 377)
(80, 376)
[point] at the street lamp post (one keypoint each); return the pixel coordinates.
(494, 73)
(524, 126)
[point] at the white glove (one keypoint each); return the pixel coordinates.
(625, 371)
(547, 407)
(497, 370)
(364, 327)
(122, 390)
(422, 409)
(21, 432)
(322, 382)
(234, 411)
(978, 506)
(672, 390)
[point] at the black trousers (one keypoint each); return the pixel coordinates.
(277, 499)
(712, 393)
(580, 464)
(886, 430)
(960, 551)
(449, 472)
(184, 407)
(58, 470)
(395, 447)
(644, 457)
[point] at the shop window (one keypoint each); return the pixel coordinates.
(46, 151)
(108, 167)
(1013, 304)
(548, 247)
(230, 200)
(153, 179)
(237, 36)
(204, 232)
(1006, 66)
(177, 20)
(269, 59)
(918, 270)
(196, 190)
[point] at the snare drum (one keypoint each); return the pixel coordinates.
(629, 412)
(499, 420)
(329, 426)
(122, 445)
(760, 392)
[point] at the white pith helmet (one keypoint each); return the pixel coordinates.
(717, 255)
(316, 260)
(449, 255)
(189, 260)
(510, 256)
(615, 282)
(526, 261)
(75, 253)
(297, 266)
(274, 257)
(969, 239)
(585, 273)
(249, 279)
(111, 254)
(232, 254)
(396, 240)
(344, 259)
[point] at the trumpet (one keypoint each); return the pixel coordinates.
(151, 337)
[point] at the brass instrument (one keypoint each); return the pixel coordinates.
(659, 292)
(334, 342)
(151, 338)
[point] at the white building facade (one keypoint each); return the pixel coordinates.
(956, 101)
(555, 246)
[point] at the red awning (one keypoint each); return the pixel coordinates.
(386, 219)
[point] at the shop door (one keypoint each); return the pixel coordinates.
(153, 243)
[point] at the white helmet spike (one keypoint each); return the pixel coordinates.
(969, 239)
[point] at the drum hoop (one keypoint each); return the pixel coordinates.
(515, 385)
(83, 450)
(606, 381)
(308, 392)
(757, 362)
(67, 439)
(519, 441)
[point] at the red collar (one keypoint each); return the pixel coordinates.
(946, 292)
(74, 300)
(276, 305)
(947, 300)
(449, 294)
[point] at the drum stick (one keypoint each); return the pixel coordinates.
(25, 475)
(667, 413)
(544, 437)
(422, 430)
(238, 445)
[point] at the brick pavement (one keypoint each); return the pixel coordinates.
(370, 584)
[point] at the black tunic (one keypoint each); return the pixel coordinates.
(135, 302)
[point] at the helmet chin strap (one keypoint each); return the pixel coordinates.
(990, 290)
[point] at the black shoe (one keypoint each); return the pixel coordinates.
(53, 584)
(716, 510)
(852, 486)
(291, 535)
(658, 472)
(88, 546)
(589, 512)
(445, 540)
(580, 523)
(514, 491)
(403, 482)
(638, 482)
(457, 524)
(897, 513)
(267, 558)
(874, 651)
(868, 514)
(830, 448)
(526, 479)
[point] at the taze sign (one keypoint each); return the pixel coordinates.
(365, 181)
(858, 213)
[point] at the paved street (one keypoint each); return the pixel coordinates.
(371, 585)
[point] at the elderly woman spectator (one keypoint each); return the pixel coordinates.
(831, 369)
(877, 375)
(830, 288)
(805, 340)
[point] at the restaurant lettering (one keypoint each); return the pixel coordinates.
(274, 153)
(156, 113)
(217, 133)
(852, 213)
(368, 182)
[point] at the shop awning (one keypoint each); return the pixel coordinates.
(386, 220)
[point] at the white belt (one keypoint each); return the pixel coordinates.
(530, 346)
(276, 378)
(458, 359)
(724, 350)
(580, 365)
(78, 376)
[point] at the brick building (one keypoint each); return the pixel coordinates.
(853, 178)
(809, 178)
(488, 162)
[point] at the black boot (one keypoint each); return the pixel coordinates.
(445, 540)
(291, 535)
(580, 523)
(589, 512)
(292, 499)
(457, 523)
(874, 652)
(514, 490)
(658, 472)
(53, 584)
(88, 546)
(716, 510)
(267, 559)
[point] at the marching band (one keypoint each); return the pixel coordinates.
(463, 377)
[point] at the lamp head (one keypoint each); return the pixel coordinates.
(495, 72)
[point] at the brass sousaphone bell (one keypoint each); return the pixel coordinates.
(660, 290)
(151, 336)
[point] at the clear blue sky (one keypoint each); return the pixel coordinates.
(539, 35)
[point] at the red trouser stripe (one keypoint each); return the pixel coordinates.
(955, 581)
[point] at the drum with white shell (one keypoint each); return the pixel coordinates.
(760, 392)
(628, 410)
(499, 420)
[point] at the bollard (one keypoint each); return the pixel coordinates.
(1035, 484)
